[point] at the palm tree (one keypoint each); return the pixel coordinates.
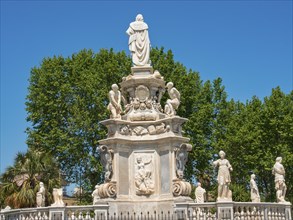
(20, 182)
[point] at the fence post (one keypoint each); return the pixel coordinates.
(288, 211)
(57, 213)
(101, 211)
(225, 210)
(181, 211)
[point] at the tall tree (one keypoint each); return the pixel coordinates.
(67, 99)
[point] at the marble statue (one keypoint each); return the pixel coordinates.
(280, 186)
(254, 194)
(95, 195)
(106, 160)
(181, 155)
(139, 42)
(143, 178)
(58, 196)
(174, 101)
(115, 102)
(224, 180)
(199, 193)
(41, 196)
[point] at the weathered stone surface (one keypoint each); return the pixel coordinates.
(139, 42)
(280, 186)
(224, 179)
(58, 197)
(254, 194)
(40, 198)
(199, 194)
(148, 150)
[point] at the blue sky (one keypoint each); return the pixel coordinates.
(246, 43)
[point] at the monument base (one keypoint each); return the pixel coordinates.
(142, 70)
(150, 208)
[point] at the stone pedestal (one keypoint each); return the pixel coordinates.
(57, 213)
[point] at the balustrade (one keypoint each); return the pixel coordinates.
(182, 211)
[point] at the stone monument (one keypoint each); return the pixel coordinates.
(144, 154)
(280, 186)
(41, 196)
(254, 194)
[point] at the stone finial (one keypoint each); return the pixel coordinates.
(114, 105)
(280, 186)
(139, 42)
(40, 198)
(199, 193)
(224, 179)
(254, 194)
(174, 101)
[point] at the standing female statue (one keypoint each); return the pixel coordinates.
(41, 196)
(139, 42)
(254, 194)
(224, 178)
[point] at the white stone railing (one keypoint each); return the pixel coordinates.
(182, 211)
(233, 211)
(96, 212)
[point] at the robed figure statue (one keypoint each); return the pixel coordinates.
(139, 42)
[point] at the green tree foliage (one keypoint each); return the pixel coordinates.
(20, 182)
(68, 97)
(66, 101)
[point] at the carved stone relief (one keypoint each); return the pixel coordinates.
(181, 155)
(144, 172)
(144, 130)
(107, 161)
(181, 188)
(106, 190)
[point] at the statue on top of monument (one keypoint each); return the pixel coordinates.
(174, 101)
(139, 42)
(115, 102)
